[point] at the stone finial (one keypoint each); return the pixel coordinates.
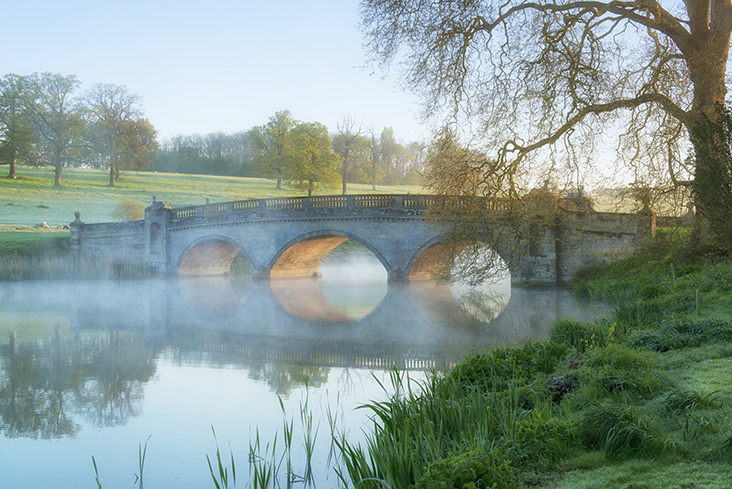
(77, 221)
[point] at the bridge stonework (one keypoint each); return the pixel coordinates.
(289, 237)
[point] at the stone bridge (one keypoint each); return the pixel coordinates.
(290, 237)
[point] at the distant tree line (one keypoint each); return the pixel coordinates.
(302, 154)
(45, 120)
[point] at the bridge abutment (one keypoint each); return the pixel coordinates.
(157, 220)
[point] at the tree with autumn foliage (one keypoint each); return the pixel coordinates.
(117, 133)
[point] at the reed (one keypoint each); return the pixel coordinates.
(141, 454)
(96, 473)
(220, 477)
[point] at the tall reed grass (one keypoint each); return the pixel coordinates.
(19, 267)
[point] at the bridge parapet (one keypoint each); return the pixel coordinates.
(326, 202)
(415, 203)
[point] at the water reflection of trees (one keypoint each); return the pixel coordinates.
(282, 378)
(47, 386)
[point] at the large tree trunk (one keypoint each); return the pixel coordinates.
(706, 59)
(57, 175)
(112, 170)
(11, 173)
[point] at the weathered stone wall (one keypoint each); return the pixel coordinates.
(117, 242)
(584, 238)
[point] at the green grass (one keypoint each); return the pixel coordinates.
(28, 243)
(31, 198)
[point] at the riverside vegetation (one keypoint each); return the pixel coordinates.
(641, 399)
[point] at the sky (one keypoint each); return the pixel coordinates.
(219, 65)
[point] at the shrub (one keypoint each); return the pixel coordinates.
(129, 210)
(494, 370)
(470, 470)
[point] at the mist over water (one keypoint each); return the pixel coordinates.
(95, 368)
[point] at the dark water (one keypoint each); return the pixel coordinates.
(97, 368)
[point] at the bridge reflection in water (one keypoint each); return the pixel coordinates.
(413, 326)
(279, 332)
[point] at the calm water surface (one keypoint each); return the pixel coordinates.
(97, 368)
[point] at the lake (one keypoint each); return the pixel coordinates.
(107, 368)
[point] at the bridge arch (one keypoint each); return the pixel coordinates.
(302, 256)
(425, 263)
(209, 255)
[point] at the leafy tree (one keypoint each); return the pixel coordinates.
(311, 162)
(538, 81)
(351, 145)
(17, 138)
(117, 131)
(129, 210)
(56, 120)
(269, 142)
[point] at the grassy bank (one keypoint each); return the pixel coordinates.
(641, 399)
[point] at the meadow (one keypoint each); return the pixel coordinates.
(31, 198)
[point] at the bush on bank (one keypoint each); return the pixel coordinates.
(650, 384)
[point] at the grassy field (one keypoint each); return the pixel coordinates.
(31, 198)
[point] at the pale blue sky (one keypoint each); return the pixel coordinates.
(220, 65)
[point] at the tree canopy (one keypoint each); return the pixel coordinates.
(538, 82)
(43, 121)
(16, 128)
(311, 161)
(117, 131)
(56, 119)
(269, 143)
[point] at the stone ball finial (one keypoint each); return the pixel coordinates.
(77, 221)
